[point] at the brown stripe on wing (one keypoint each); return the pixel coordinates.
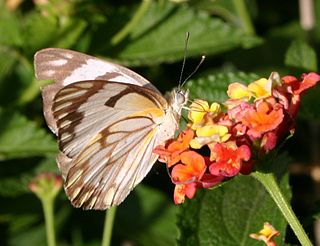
(66, 104)
(124, 97)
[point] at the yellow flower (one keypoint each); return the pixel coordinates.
(198, 109)
(261, 88)
(238, 91)
(266, 235)
(208, 134)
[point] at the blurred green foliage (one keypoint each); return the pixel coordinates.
(240, 44)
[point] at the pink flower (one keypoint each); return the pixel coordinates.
(261, 118)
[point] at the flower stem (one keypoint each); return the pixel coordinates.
(118, 37)
(108, 226)
(242, 11)
(269, 182)
(47, 205)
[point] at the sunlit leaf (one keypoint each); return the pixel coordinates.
(214, 87)
(301, 55)
(10, 28)
(161, 36)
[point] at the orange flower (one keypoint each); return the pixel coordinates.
(296, 86)
(170, 153)
(191, 170)
(293, 88)
(262, 118)
(227, 158)
(183, 190)
(187, 174)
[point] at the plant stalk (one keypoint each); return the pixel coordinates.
(47, 205)
(118, 37)
(268, 180)
(108, 226)
(242, 11)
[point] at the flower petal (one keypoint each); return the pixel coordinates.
(238, 91)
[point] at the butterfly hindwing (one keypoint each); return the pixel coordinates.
(112, 164)
(106, 133)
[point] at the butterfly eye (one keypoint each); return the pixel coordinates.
(180, 97)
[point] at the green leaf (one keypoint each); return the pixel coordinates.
(8, 58)
(160, 36)
(214, 87)
(301, 55)
(10, 28)
(20, 137)
(153, 215)
(40, 31)
(32, 233)
(15, 175)
(69, 33)
(226, 216)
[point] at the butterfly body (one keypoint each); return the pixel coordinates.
(108, 120)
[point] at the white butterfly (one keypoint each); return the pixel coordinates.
(108, 120)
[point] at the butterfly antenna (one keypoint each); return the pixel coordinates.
(194, 71)
(168, 171)
(184, 118)
(184, 57)
(193, 179)
(199, 104)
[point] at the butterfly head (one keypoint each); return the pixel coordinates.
(178, 99)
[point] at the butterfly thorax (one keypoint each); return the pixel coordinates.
(170, 123)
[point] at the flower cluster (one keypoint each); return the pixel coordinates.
(223, 140)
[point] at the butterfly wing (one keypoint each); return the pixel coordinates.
(106, 133)
(66, 67)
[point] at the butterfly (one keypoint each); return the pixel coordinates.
(107, 119)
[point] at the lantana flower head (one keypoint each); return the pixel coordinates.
(224, 140)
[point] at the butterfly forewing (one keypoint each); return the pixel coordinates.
(66, 67)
